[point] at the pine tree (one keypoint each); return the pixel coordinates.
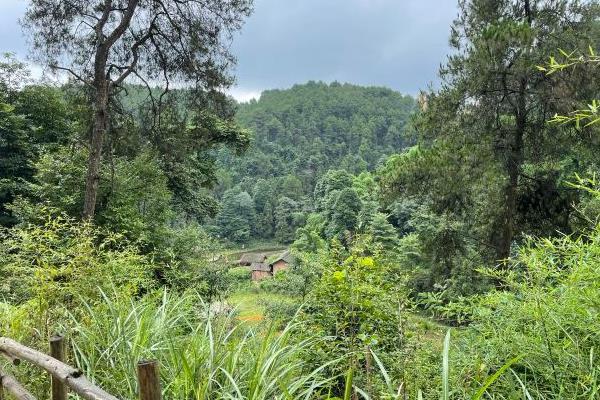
(285, 224)
(343, 215)
(383, 232)
(236, 218)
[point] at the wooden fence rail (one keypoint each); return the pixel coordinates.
(65, 377)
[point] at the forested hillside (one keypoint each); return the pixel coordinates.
(298, 135)
(310, 128)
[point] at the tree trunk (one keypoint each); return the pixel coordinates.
(98, 132)
(514, 162)
(507, 224)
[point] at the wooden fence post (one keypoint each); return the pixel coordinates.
(57, 350)
(149, 380)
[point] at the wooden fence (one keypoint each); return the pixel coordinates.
(64, 377)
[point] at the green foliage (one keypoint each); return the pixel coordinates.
(16, 151)
(187, 144)
(239, 278)
(308, 237)
(281, 312)
(488, 170)
(336, 121)
(236, 218)
(356, 304)
(287, 219)
(135, 199)
(138, 199)
(58, 264)
(343, 214)
(303, 132)
(472, 227)
(190, 258)
(547, 311)
(328, 187)
(284, 282)
(585, 117)
(383, 232)
(265, 200)
(32, 119)
(201, 357)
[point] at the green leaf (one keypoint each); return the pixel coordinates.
(348, 388)
(446, 367)
(491, 379)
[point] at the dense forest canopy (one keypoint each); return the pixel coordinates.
(298, 135)
(326, 241)
(310, 128)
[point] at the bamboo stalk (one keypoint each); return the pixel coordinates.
(149, 380)
(70, 376)
(57, 350)
(13, 387)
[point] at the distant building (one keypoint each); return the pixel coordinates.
(247, 259)
(282, 262)
(260, 270)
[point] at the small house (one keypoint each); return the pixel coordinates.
(260, 270)
(247, 259)
(282, 262)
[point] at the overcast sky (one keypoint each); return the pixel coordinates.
(394, 43)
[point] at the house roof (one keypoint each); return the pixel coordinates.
(250, 258)
(285, 256)
(260, 266)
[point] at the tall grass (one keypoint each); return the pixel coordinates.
(201, 356)
(395, 391)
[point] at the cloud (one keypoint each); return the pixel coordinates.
(394, 43)
(243, 95)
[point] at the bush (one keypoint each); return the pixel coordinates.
(134, 198)
(190, 258)
(239, 278)
(53, 267)
(357, 305)
(547, 311)
(283, 282)
(280, 311)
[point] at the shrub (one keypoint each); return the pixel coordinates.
(283, 282)
(281, 311)
(239, 278)
(356, 305)
(51, 267)
(547, 310)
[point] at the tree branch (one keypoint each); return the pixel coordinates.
(69, 70)
(102, 21)
(122, 27)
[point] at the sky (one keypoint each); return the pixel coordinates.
(394, 43)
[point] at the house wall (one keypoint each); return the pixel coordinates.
(258, 275)
(279, 265)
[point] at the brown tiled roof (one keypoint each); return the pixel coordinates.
(250, 258)
(285, 256)
(259, 266)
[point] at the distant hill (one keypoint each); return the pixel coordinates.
(310, 128)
